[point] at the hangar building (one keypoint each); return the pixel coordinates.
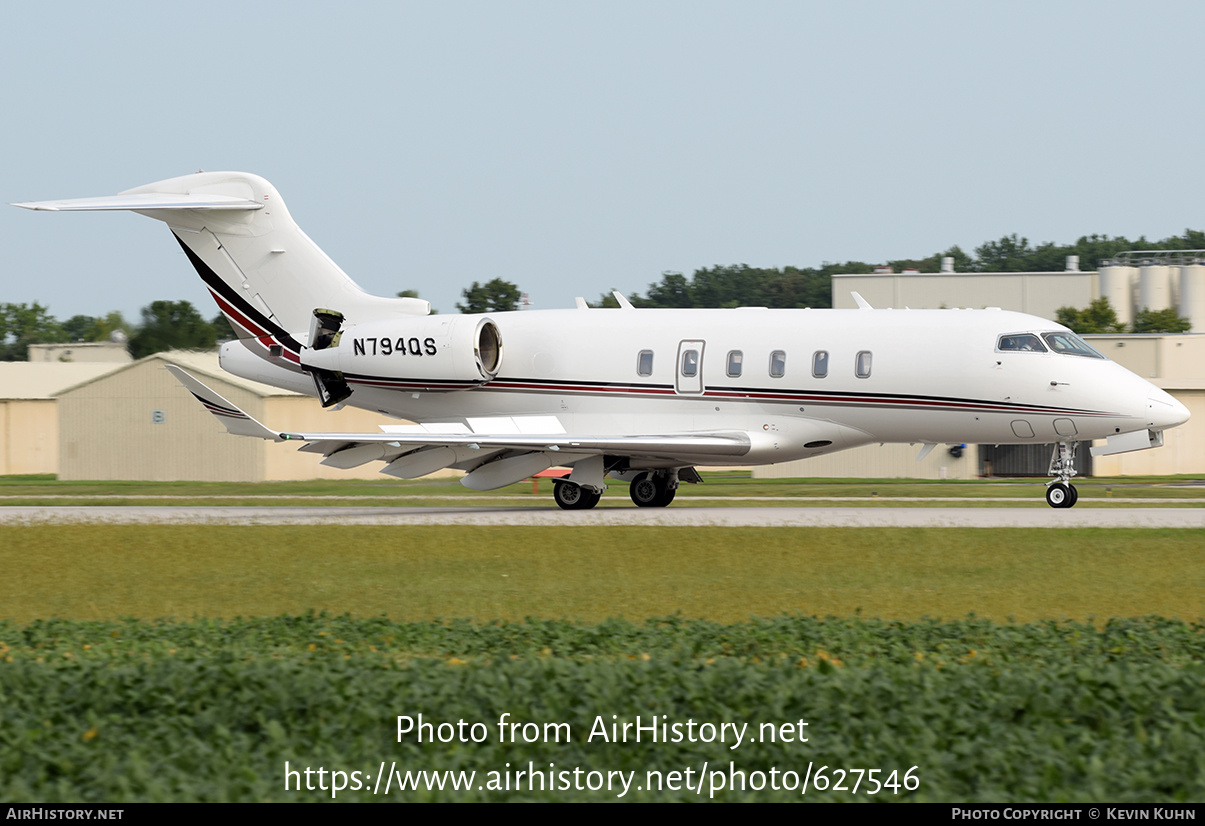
(138, 423)
(29, 422)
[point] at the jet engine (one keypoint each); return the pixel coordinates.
(431, 353)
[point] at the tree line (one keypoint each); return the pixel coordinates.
(1100, 317)
(740, 285)
(165, 325)
(178, 325)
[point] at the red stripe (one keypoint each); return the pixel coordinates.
(861, 401)
(251, 327)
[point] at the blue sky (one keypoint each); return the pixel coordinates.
(574, 147)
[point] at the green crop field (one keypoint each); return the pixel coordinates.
(962, 711)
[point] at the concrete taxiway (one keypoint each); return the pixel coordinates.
(839, 517)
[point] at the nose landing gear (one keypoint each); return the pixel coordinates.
(1060, 493)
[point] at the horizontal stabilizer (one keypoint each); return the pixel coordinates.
(143, 200)
(234, 419)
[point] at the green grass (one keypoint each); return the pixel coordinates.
(100, 572)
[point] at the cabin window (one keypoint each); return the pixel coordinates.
(820, 364)
(778, 364)
(644, 363)
(1070, 344)
(862, 365)
(690, 363)
(1024, 342)
(736, 361)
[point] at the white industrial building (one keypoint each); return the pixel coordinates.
(1132, 281)
(113, 352)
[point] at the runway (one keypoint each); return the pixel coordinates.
(817, 517)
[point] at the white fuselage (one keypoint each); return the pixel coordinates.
(933, 376)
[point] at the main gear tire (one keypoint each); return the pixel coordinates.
(649, 490)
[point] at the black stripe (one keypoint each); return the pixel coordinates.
(215, 283)
(214, 407)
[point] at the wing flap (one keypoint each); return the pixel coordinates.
(669, 445)
(723, 443)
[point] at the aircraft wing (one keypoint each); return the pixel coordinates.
(352, 449)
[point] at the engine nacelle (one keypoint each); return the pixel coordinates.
(431, 353)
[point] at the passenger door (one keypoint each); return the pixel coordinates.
(689, 372)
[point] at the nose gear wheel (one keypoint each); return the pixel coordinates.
(1061, 493)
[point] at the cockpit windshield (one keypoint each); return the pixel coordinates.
(1026, 342)
(1070, 344)
(1062, 343)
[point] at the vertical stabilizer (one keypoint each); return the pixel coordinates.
(265, 274)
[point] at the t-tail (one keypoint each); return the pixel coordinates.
(266, 275)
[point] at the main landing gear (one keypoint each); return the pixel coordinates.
(650, 489)
(571, 496)
(653, 490)
(1060, 493)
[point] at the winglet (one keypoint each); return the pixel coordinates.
(234, 419)
(862, 303)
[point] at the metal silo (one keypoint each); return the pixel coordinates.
(1192, 295)
(1117, 284)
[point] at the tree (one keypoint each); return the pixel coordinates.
(93, 328)
(1161, 321)
(24, 324)
(962, 261)
(222, 330)
(79, 327)
(493, 296)
(171, 325)
(673, 291)
(1097, 317)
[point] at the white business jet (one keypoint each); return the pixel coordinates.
(642, 396)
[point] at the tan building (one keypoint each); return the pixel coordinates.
(29, 422)
(1175, 363)
(139, 423)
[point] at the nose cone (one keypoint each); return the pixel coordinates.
(1164, 411)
